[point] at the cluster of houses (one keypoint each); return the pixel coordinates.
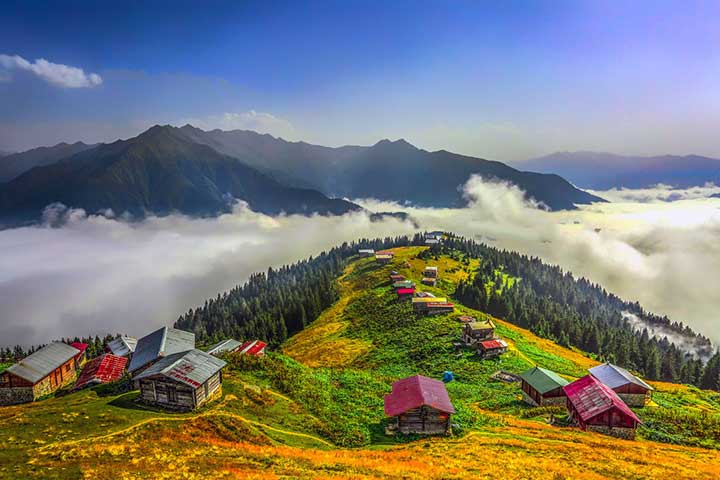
(597, 402)
(480, 335)
(164, 365)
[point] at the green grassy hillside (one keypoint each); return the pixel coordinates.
(315, 409)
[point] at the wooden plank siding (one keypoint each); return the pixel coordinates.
(174, 395)
(423, 420)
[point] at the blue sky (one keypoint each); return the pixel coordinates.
(505, 80)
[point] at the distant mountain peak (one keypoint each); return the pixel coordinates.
(401, 142)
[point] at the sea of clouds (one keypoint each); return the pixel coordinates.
(81, 274)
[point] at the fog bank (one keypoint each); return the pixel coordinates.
(94, 275)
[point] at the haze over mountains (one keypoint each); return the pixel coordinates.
(198, 172)
(603, 171)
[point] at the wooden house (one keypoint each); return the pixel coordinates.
(122, 346)
(225, 346)
(422, 304)
(594, 406)
(405, 293)
(431, 272)
(366, 252)
(491, 348)
(103, 369)
(429, 281)
(181, 381)
(403, 284)
(466, 319)
(542, 387)
(158, 344)
(632, 390)
(474, 332)
(396, 277)
(424, 295)
(440, 308)
(419, 405)
(383, 259)
(81, 357)
(40, 374)
(253, 347)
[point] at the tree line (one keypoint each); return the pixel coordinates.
(575, 312)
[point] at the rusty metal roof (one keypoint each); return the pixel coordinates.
(43, 362)
(103, 369)
(193, 368)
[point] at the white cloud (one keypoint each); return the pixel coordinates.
(56, 74)
(658, 193)
(261, 122)
(97, 275)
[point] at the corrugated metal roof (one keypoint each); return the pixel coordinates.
(429, 300)
(103, 369)
(122, 346)
(590, 398)
(543, 380)
(414, 392)
(481, 325)
(254, 347)
(41, 363)
(193, 368)
(614, 376)
(403, 284)
(405, 291)
(79, 345)
(227, 345)
(161, 343)
(491, 344)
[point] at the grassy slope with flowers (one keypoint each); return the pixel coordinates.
(314, 410)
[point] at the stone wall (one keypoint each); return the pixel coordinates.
(13, 396)
(620, 432)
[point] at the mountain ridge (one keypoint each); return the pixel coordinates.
(159, 171)
(604, 171)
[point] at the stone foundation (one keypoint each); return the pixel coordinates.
(13, 396)
(620, 432)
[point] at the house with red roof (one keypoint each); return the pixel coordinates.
(491, 348)
(103, 369)
(405, 293)
(253, 347)
(419, 405)
(81, 357)
(594, 406)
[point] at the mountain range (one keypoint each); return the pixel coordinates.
(188, 170)
(160, 171)
(603, 171)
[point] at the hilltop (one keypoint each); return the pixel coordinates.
(313, 408)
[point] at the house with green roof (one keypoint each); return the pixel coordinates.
(542, 387)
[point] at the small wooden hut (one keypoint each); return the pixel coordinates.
(429, 281)
(366, 252)
(594, 406)
(228, 345)
(419, 405)
(431, 272)
(158, 344)
(405, 293)
(474, 331)
(632, 390)
(182, 381)
(542, 387)
(39, 374)
(491, 348)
